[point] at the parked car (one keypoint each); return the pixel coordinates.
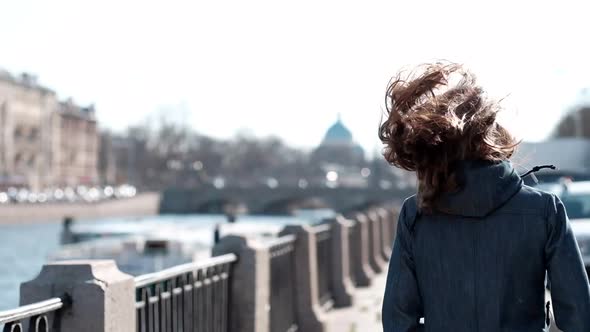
(575, 196)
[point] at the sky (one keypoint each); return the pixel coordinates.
(288, 68)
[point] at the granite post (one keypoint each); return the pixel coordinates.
(342, 286)
(250, 286)
(101, 297)
(363, 273)
(375, 242)
(309, 312)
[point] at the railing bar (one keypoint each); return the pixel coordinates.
(285, 239)
(159, 276)
(30, 310)
(140, 304)
(322, 228)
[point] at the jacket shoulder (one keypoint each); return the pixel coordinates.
(530, 200)
(409, 212)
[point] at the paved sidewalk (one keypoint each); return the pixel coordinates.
(365, 315)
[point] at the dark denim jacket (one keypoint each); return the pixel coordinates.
(481, 265)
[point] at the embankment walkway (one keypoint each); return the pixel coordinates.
(365, 314)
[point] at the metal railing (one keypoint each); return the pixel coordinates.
(189, 297)
(283, 317)
(42, 316)
(323, 234)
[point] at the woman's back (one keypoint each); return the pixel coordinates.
(473, 248)
(481, 266)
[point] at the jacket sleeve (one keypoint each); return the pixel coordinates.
(570, 291)
(402, 305)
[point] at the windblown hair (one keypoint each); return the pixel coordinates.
(436, 117)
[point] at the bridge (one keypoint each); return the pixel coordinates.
(279, 200)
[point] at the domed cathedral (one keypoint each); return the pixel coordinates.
(338, 147)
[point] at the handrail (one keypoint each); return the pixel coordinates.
(31, 310)
(322, 228)
(150, 278)
(285, 239)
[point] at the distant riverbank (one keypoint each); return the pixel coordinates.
(144, 204)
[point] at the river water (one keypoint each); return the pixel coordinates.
(25, 248)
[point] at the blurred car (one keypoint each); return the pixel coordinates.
(552, 177)
(575, 196)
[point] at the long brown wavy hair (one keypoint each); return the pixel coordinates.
(436, 116)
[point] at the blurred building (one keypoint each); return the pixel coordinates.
(338, 147)
(576, 120)
(122, 153)
(568, 145)
(44, 142)
(567, 154)
(575, 123)
(76, 148)
(107, 166)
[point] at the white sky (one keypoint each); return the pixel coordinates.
(289, 67)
